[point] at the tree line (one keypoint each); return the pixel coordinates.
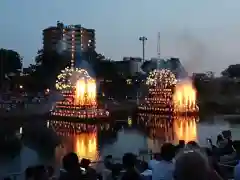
(47, 65)
(42, 73)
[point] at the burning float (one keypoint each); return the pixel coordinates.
(168, 96)
(79, 96)
(185, 98)
(161, 85)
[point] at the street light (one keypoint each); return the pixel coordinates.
(143, 39)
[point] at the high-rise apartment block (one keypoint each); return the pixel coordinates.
(74, 39)
(84, 38)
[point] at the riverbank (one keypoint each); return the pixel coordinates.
(32, 110)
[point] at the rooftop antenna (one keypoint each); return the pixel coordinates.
(158, 50)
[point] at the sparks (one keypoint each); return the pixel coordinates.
(163, 77)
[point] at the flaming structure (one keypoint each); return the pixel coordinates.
(184, 98)
(79, 91)
(161, 85)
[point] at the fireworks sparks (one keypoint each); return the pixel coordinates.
(184, 97)
(69, 77)
(163, 77)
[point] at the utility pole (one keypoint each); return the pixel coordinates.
(158, 51)
(143, 39)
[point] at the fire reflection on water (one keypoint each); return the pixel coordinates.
(185, 128)
(168, 129)
(76, 137)
(85, 145)
(83, 139)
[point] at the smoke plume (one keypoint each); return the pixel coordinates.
(193, 52)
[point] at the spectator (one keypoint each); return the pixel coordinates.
(85, 163)
(213, 162)
(221, 143)
(155, 160)
(193, 145)
(40, 173)
(186, 160)
(106, 173)
(90, 172)
(147, 173)
(29, 172)
(129, 161)
(50, 171)
(116, 171)
(164, 169)
(71, 168)
(180, 145)
(237, 169)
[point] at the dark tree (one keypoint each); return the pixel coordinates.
(10, 64)
(11, 61)
(48, 66)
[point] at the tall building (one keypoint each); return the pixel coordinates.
(74, 39)
(51, 38)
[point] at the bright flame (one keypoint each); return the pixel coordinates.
(80, 92)
(91, 90)
(85, 92)
(185, 97)
(185, 128)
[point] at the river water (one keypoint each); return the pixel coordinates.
(129, 134)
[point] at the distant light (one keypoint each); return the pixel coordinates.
(20, 86)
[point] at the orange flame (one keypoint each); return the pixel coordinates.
(80, 92)
(184, 97)
(85, 92)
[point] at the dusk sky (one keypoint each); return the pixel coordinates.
(204, 34)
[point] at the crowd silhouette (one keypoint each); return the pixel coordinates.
(181, 162)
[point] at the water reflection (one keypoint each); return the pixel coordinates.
(78, 137)
(185, 128)
(88, 140)
(163, 128)
(86, 145)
